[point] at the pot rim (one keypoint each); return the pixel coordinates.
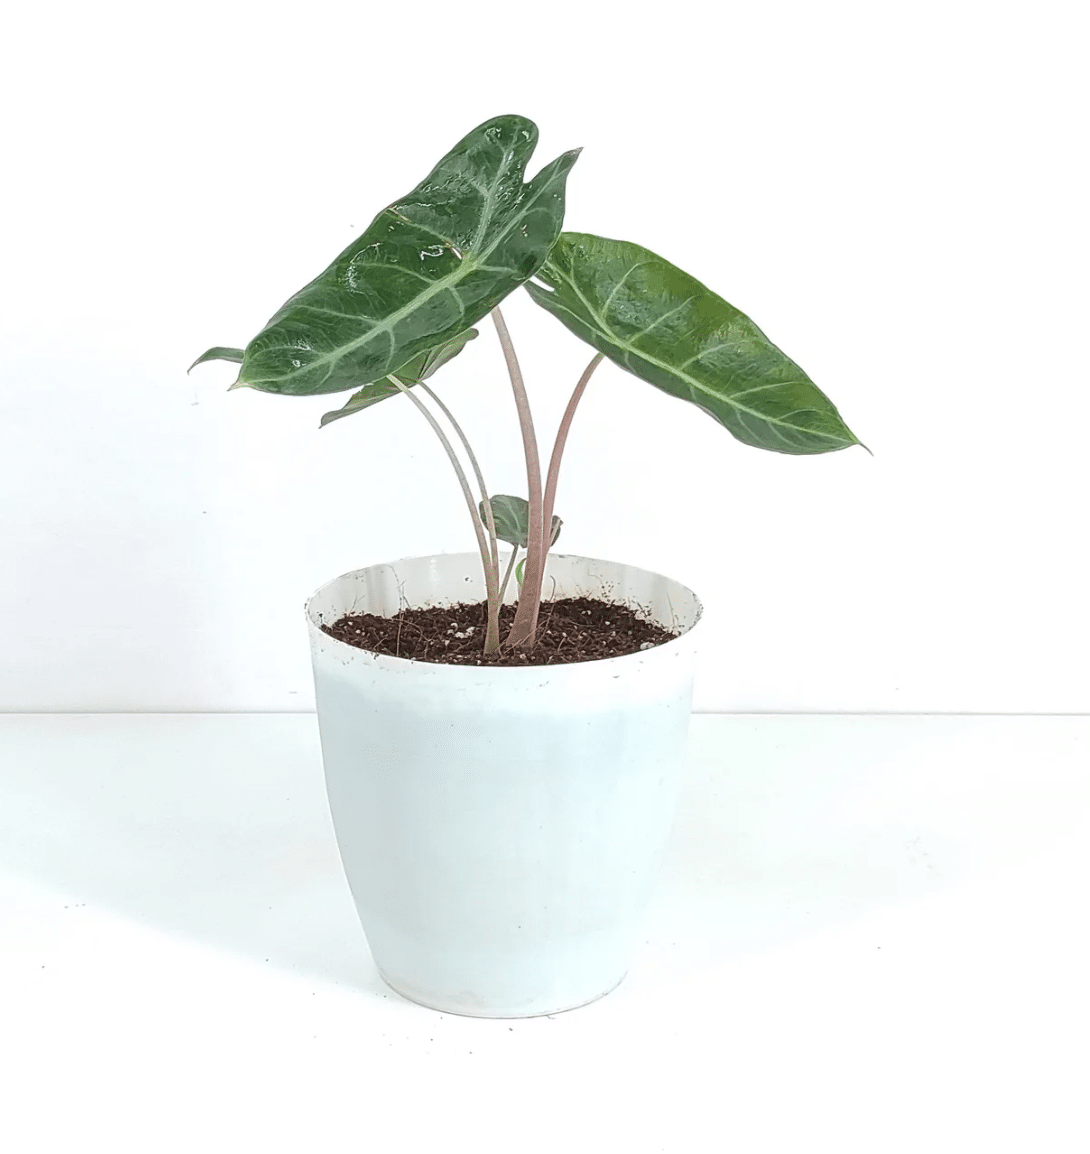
(405, 662)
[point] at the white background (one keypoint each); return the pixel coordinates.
(869, 935)
(895, 194)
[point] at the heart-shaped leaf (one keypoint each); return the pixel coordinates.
(666, 328)
(429, 266)
(422, 366)
(512, 518)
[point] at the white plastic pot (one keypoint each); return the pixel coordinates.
(501, 829)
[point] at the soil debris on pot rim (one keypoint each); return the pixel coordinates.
(569, 629)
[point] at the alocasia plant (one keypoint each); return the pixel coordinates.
(401, 301)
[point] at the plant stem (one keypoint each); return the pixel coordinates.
(491, 576)
(524, 629)
(490, 523)
(507, 575)
(558, 448)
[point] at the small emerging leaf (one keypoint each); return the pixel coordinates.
(519, 569)
(422, 366)
(512, 517)
(218, 354)
(666, 328)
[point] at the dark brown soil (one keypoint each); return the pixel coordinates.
(569, 629)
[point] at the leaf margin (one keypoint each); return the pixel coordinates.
(409, 374)
(218, 353)
(557, 282)
(512, 519)
(538, 195)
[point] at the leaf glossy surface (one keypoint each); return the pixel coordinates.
(665, 327)
(429, 266)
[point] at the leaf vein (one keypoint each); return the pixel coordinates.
(692, 381)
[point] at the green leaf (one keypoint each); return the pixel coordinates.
(218, 354)
(512, 518)
(429, 266)
(422, 366)
(666, 328)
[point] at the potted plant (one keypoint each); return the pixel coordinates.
(502, 780)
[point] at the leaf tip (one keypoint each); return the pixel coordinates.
(218, 353)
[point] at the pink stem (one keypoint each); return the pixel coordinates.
(524, 628)
(558, 450)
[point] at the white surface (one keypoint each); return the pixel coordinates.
(501, 828)
(895, 193)
(871, 934)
